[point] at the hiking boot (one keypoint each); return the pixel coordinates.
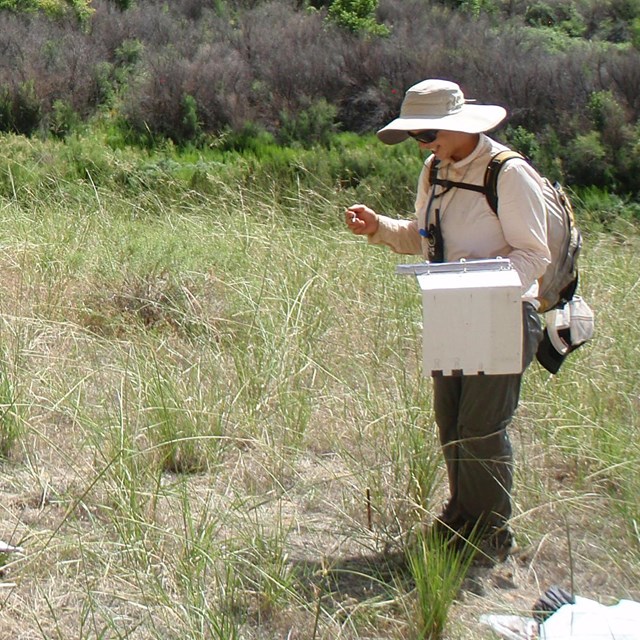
(453, 531)
(495, 546)
(491, 542)
(450, 520)
(490, 546)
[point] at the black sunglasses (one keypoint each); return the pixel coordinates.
(427, 136)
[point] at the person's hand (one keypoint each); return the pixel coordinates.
(361, 219)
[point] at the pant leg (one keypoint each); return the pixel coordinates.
(446, 401)
(485, 457)
(473, 413)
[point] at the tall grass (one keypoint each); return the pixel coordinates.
(438, 571)
(213, 410)
(591, 415)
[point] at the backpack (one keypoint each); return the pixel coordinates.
(558, 284)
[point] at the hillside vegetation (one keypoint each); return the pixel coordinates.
(213, 72)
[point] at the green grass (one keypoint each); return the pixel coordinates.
(214, 423)
(438, 572)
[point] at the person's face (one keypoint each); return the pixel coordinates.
(446, 145)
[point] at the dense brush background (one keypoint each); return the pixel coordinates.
(204, 71)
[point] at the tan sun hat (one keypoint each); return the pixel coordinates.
(440, 104)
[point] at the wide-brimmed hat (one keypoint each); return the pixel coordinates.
(440, 104)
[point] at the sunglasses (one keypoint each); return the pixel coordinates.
(427, 136)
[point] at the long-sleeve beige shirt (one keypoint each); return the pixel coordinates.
(470, 229)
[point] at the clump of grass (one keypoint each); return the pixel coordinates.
(11, 412)
(438, 571)
(185, 418)
(151, 301)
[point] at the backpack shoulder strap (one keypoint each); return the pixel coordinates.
(433, 170)
(450, 184)
(491, 175)
(490, 186)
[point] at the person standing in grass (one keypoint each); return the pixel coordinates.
(472, 412)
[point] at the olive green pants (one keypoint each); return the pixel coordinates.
(472, 414)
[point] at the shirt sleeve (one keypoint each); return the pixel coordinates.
(400, 235)
(522, 214)
(403, 236)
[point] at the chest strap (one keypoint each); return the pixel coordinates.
(451, 184)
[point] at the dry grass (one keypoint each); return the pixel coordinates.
(220, 430)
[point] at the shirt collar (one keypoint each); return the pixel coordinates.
(481, 147)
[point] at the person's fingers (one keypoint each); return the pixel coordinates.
(360, 219)
(350, 216)
(355, 223)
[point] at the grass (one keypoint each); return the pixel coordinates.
(214, 423)
(438, 572)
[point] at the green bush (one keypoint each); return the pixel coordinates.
(191, 124)
(103, 78)
(250, 137)
(476, 7)
(63, 120)
(601, 210)
(357, 16)
(129, 52)
(627, 159)
(524, 141)
(563, 16)
(635, 33)
(55, 8)
(314, 125)
(20, 109)
(585, 160)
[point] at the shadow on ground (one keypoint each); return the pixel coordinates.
(361, 578)
(354, 578)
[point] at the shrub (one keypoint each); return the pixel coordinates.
(63, 119)
(56, 8)
(190, 124)
(220, 82)
(158, 107)
(314, 125)
(635, 33)
(550, 156)
(524, 141)
(609, 118)
(123, 5)
(476, 7)
(248, 138)
(627, 160)
(603, 107)
(188, 70)
(602, 211)
(104, 85)
(20, 109)
(622, 67)
(294, 60)
(357, 16)
(129, 52)
(585, 160)
(564, 16)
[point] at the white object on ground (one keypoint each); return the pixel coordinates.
(9, 548)
(584, 620)
(590, 620)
